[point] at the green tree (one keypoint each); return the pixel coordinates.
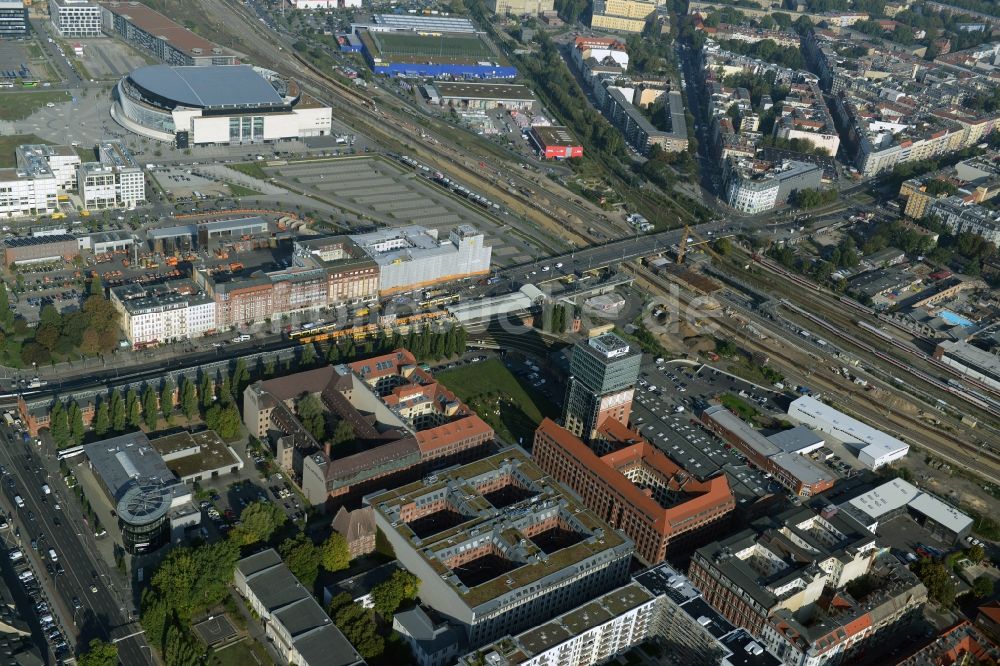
(102, 418)
(302, 558)
(76, 427)
(241, 376)
(312, 415)
(133, 409)
(224, 420)
(99, 653)
(937, 580)
(58, 425)
(118, 415)
(167, 399)
(150, 407)
(189, 399)
(6, 316)
(389, 595)
(259, 521)
(977, 554)
(359, 627)
(308, 356)
(206, 392)
(95, 288)
(982, 586)
(334, 553)
(342, 433)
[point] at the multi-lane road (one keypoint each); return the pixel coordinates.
(105, 607)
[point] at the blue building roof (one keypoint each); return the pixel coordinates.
(208, 86)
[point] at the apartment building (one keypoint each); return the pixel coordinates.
(404, 422)
(157, 314)
(960, 216)
(499, 546)
(622, 15)
(659, 605)
(75, 18)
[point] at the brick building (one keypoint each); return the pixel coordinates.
(635, 487)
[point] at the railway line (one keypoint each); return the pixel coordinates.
(941, 443)
(558, 215)
(846, 319)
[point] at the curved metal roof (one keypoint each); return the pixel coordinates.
(214, 86)
(144, 504)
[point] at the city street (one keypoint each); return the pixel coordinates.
(105, 606)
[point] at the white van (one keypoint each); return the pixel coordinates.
(45, 489)
(19, 501)
(52, 555)
(15, 555)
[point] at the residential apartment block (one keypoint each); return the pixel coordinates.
(622, 15)
(499, 546)
(785, 580)
(959, 216)
(404, 424)
(635, 488)
(756, 186)
(659, 605)
(295, 625)
(168, 312)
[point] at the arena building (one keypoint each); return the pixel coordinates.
(216, 105)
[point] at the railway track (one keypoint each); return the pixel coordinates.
(941, 443)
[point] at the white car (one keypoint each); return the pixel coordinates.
(546, 269)
(559, 264)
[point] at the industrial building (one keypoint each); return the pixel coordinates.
(152, 505)
(875, 448)
(411, 258)
(635, 488)
(115, 181)
(555, 143)
(787, 464)
(197, 457)
(162, 313)
(603, 373)
(404, 422)
(216, 105)
(13, 19)
(429, 47)
(161, 37)
(476, 95)
(785, 580)
(33, 249)
(754, 186)
(898, 497)
(970, 360)
(199, 235)
(292, 620)
(76, 18)
(500, 547)
(659, 605)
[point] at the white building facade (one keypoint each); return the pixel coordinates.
(75, 18)
(875, 448)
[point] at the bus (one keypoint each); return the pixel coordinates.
(8, 419)
(29, 83)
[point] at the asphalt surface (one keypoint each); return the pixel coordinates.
(104, 613)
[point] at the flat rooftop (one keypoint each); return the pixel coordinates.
(480, 524)
(555, 136)
(187, 454)
(162, 27)
(209, 86)
(120, 461)
(499, 91)
(28, 241)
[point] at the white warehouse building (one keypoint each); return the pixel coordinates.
(875, 448)
(216, 105)
(411, 258)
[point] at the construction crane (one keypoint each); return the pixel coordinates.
(682, 248)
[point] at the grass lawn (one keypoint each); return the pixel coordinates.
(9, 143)
(20, 105)
(239, 191)
(740, 407)
(251, 169)
(513, 410)
(247, 652)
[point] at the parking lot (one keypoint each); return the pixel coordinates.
(109, 59)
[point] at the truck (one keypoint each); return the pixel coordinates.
(8, 419)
